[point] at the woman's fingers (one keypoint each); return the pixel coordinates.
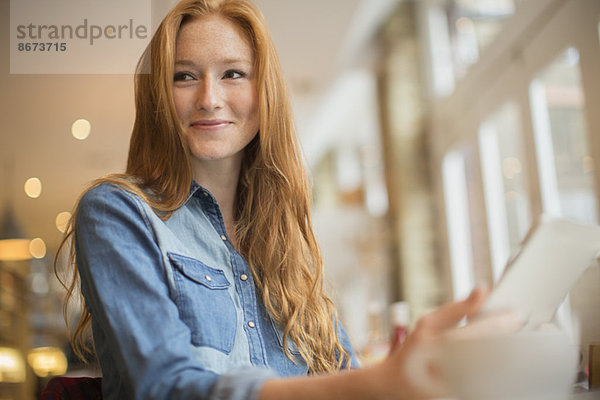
(476, 299)
(491, 325)
(447, 316)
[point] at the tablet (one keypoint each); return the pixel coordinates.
(551, 259)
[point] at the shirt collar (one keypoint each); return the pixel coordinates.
(197, 190)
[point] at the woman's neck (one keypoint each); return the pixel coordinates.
(220, 178)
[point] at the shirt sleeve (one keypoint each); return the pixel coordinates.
(145, 346)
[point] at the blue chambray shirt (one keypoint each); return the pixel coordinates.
(175, 312)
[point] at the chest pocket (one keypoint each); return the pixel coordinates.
(204, 303)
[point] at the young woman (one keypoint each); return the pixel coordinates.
(199, 270)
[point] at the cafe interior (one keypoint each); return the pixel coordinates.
(436, 134)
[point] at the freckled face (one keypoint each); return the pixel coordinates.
(214, 89)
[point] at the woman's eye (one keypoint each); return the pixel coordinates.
(182, 76)
(233, 74)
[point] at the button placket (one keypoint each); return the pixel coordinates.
(250, 314)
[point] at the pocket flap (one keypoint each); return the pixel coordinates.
(199, 272)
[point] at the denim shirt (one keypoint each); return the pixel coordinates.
(175, 311)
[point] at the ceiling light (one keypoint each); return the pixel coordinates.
(37, 248)
(81, 129)
(62, 221)
(33, 187)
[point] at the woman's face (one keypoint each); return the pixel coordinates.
(214, 89)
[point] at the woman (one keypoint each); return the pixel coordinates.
(198, 267)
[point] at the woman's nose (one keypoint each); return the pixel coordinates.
(208, 96)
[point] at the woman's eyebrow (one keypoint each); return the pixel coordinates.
(227, 61)
(184, 62)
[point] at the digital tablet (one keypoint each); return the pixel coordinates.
(551, 259)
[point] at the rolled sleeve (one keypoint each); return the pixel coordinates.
(241, 384)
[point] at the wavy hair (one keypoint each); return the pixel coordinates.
(273, 224)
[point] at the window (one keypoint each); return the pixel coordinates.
(457, 32)
(504, 183)
(473, 25)
(564, 159)
(458, 221)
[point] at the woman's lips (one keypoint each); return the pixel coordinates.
(210, 124)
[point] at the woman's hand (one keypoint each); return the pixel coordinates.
(409, 370)
(397, 377)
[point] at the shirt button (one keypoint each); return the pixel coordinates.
(223, 237)
(208, 278)
(251, 324)
(244, 277)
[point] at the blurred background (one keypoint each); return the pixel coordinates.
(436, 132)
